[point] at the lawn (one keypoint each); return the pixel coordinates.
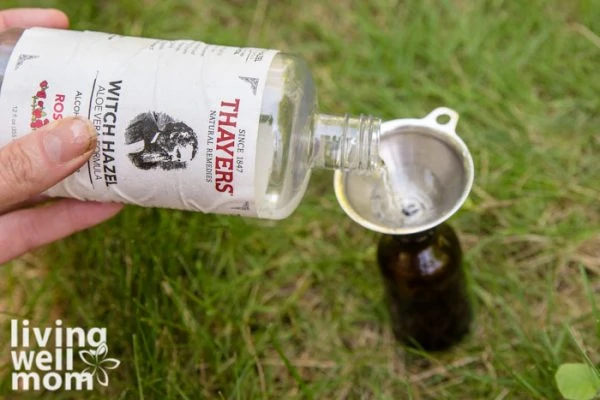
(216, 307)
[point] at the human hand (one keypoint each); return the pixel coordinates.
(35, 162)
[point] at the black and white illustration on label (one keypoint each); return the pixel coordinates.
(155, 140)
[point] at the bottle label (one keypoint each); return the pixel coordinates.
(177, 121)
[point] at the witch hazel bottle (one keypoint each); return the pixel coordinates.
(181, 124)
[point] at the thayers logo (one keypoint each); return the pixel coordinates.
(58, 358)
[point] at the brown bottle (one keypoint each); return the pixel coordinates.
(425, 287)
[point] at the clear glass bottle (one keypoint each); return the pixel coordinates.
(293, 138)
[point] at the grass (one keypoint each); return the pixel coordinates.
(214, 307)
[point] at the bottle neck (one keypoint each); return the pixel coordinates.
(346, 143)
(421, 238)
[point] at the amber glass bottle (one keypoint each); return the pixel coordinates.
(425, 286)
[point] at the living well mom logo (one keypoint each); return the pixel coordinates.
(58, 358)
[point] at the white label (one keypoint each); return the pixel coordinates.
(177, 121)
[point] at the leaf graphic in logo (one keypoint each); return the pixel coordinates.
(98, 363)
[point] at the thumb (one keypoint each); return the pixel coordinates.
(37, 161)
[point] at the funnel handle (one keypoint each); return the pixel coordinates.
(444, 117)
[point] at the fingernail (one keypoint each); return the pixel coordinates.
(68, 139)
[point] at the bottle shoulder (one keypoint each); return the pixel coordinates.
(429, 255)
(285, 136)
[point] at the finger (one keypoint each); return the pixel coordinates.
(34, 201)
(27, 17)
(25, 230)
(36, 162)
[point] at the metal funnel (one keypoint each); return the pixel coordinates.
(428, 175)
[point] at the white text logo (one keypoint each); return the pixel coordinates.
(46, 358)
